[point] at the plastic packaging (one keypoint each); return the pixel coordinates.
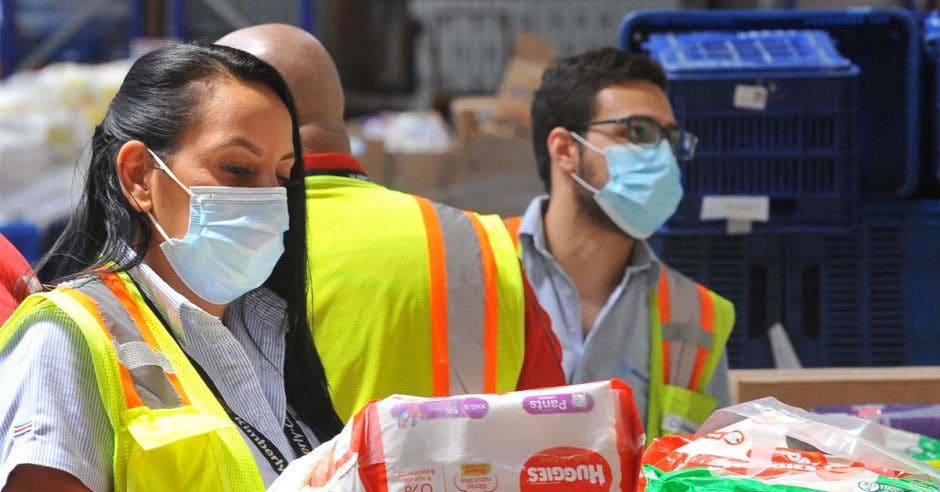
(766, 445)
(581, 438)
(918, 418)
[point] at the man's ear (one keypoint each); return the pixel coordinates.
(563, 150)
(135, 168)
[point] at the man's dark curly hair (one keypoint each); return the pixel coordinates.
(566, 96)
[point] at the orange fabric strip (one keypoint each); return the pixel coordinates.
(708, 325)
(438, 270)
(117, 287)
(512, 225)
(664, 317)
(490, 305)
(131, 398)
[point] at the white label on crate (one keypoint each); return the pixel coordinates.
(750, 97)
(740, 208)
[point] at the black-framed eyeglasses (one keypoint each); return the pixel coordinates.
(647, 132)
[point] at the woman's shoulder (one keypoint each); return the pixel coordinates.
(41, 320)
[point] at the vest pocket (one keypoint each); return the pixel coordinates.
(177, 449)
(684, 410)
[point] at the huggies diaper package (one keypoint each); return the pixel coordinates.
(581, 438)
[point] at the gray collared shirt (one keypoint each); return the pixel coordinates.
(50, 388)
(620, 335)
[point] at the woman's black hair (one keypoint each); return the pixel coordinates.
(156, 103)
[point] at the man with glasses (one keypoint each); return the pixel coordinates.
(610, 153)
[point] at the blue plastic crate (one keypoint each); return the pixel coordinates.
(798, 146)
(746, 50)
(869, 297)
(746, 270)
(932, 95)
(883, 43)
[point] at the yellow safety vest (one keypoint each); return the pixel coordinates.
(681, 311)
(170, 432)
(410, 296)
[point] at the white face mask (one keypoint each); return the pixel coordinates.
(234, 238)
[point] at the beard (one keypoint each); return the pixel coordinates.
(592, 212)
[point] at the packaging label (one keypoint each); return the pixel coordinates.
(750, 97)
(476, 476)
(408, 414)
(560, 403)
(740, 208)
(566, 469)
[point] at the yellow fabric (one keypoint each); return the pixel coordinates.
(104, 358)
(195, 447)
(510, 347)
(368, 248)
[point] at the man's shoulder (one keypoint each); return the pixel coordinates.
(681, 278)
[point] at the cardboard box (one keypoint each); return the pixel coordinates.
(420, 174)
(372, 157)
(497, 175)
(523, 75)
(469, 113)
(807, 388)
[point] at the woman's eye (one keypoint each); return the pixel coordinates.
(237, 170)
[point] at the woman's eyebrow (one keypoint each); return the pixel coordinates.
(254, 149)
(241, 142)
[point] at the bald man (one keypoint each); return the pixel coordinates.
(409, 296)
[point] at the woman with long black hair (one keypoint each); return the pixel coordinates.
(175, 351)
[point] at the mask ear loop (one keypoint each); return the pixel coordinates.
(166, 169)
(574, 176)
(169, 173)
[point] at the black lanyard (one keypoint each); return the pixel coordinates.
(295, 436)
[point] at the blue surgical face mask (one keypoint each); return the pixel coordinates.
(233, 242)
(644, 189)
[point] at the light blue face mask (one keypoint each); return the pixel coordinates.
(644, 188)
(233, 242)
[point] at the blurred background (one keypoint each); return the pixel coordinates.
(846, 258)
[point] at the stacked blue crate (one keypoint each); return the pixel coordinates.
(868, 297)
(932, 95)
(796, 143)
(861, 293)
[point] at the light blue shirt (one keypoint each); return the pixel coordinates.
(626, 310)
(51, 412)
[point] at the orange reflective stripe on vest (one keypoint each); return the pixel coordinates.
(490, 305)
(438, 271)
(131, 397)
(512, 225)
(707, 324)
(687, 329)
(124, 296)
(664, 318)
(464, 300)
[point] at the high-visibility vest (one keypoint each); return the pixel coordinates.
(410, 296)
(681, 311)
(170, 431)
